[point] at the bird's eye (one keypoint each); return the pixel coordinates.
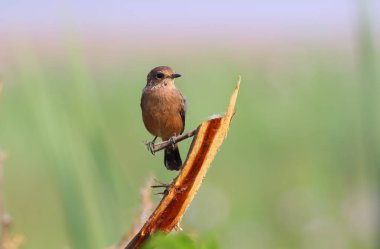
(160, 76)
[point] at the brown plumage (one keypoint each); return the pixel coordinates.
(163, 111)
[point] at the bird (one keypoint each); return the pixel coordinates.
(163, 110)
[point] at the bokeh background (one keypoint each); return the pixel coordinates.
(299, 168)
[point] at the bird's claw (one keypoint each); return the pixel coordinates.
(172, 141)
(150, 147)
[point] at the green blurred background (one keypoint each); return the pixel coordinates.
(297, 170)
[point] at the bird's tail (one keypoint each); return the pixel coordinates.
(172, 158)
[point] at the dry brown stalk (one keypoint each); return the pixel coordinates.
(12, 241)
(146, 207)
(3, 226)
(209, 137)
(7, 240)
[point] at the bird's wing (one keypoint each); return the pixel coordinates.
(183, 110)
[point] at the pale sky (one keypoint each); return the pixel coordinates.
(298, 15)
(259, 21)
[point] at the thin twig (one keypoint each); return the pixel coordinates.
(177, 139)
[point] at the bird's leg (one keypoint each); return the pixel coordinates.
(150, 145)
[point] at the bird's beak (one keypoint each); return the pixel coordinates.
(175, 75)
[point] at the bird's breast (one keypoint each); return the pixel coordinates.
(161, 111)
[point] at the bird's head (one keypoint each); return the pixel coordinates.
(161, 75)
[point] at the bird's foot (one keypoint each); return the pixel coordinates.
(172, 141)
(150, 147)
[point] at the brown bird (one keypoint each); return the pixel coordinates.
(163, 111)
